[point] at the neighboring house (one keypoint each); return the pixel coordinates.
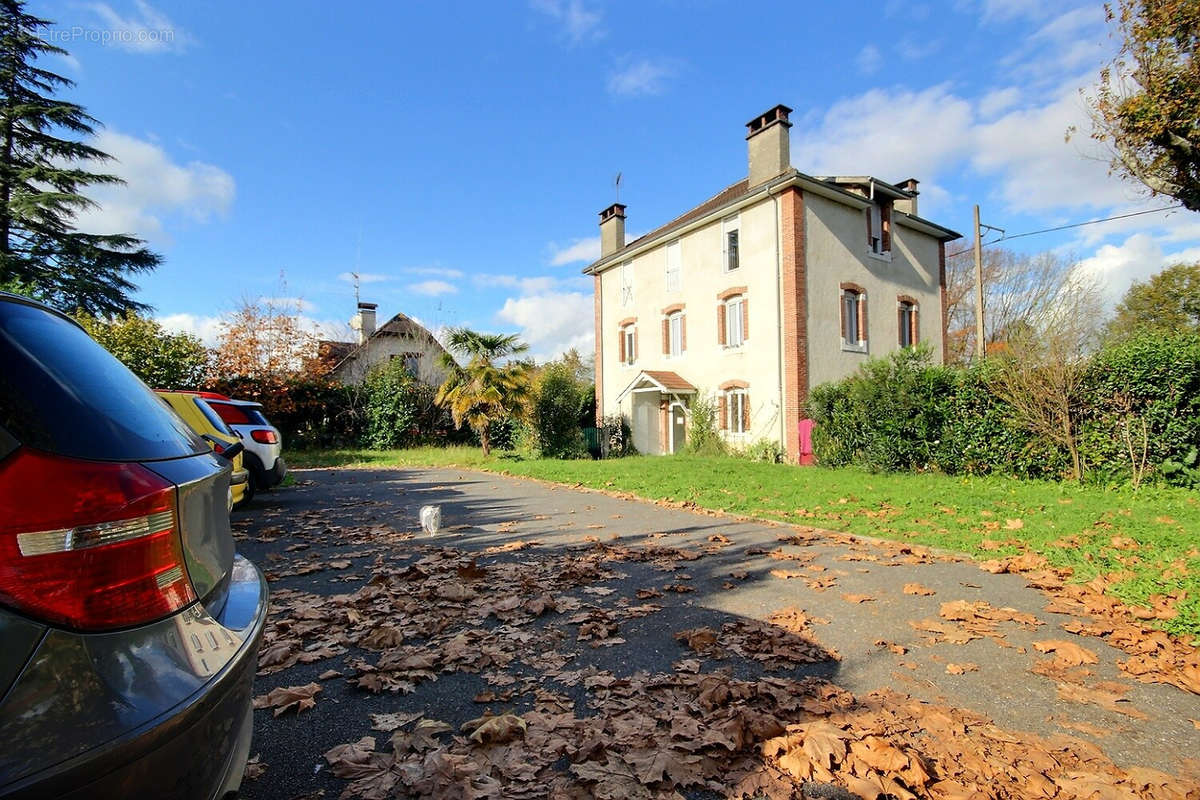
(399, 338)
(780, 282)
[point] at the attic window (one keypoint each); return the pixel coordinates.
(879, 224)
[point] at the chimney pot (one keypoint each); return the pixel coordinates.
(612, 229)
(769, 144)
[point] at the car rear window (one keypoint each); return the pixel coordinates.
(255, 416)
(233, 415)
(212, 416)
(63, 393)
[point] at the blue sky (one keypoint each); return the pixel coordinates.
(456, 155)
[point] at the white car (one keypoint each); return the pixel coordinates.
(263, 455)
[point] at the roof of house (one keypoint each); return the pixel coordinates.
(400, 326)
(734, 193)
(665, 381)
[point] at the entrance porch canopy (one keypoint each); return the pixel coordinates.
(660, 381)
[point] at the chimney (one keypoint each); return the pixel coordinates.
(366, 320)
(909, 205)
(612, 229)
(768, 141)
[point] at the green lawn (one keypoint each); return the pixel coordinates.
(1092, 530)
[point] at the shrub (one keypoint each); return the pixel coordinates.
(766, 450)
(560, 399)
(400, 410)
(888, 416)
(617, 436)
(1142, 408)
(704, 438)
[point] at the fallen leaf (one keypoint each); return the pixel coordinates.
(858, 598)
(495, 729)
(283, 698)
(918, 589)
(961, 669)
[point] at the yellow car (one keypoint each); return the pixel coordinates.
(209, 425)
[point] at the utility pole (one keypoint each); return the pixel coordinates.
(979, 342)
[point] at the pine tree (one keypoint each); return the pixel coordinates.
(42, 177)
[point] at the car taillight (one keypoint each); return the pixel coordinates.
(89, 545)
(264, 436)
(217, 447)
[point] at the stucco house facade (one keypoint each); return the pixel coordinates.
(401, 337)
(778, 283)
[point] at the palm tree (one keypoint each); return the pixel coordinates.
(484, 391)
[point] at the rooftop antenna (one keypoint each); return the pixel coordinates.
(617, 186)
(355, 276)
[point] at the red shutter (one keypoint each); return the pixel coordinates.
(682, 333)
(621, 344)
(723, 412)
(862, 316)
(885, 218)
(746, 412)
(721, 324)
(842, 313)
(745, 318)
(666, 337)
(900, 323)
(635, 344)
(915, 327)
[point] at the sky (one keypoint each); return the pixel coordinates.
(456, 155)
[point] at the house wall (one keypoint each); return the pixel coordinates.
(380, 349)
(837, 251)
(705, 363)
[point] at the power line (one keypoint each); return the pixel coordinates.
(1005, 238)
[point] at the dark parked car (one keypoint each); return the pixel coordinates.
(130, 627)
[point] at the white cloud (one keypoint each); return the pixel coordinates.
(869, 59)
(552, 322)
(1006, 10)
(586, 250)
(433, 288)
(577, 21)
(439, 272)
(205, 328)
(1115, 267)
(998, 100)
(147, 31)
(364, 277)
(911, 49)
(643, 76)
(891, 134)
(155, 186)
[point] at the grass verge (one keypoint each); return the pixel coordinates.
(1150, 538)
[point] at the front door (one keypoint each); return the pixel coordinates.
(678, 428)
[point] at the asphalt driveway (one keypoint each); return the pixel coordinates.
(874, 616)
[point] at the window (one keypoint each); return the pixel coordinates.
(730, 256)
(732, 327)
(735, 408)
(906, 321)
(627, 344)
(854, 317)
(674, 267)
(412, 361)
(675, 334)
(627, 283)
(879, 219)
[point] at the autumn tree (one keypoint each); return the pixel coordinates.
(266, 338)
(163, 360)
(1045, 361)
(1168, 303)
(43, 175)
(1147, 106)
(1017, 287)
(489, 385)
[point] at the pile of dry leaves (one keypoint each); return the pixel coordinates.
(733, 717)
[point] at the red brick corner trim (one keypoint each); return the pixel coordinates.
(671, 309)
(732, 291)
(727, 385)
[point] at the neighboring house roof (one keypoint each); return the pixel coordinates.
(399, 326)
(737, 192)
(664, 381)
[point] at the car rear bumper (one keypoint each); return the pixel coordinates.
(192, 749)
